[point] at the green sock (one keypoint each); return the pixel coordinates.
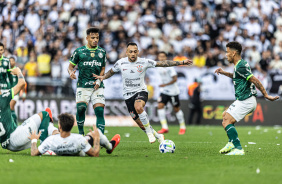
(100, 122)
(44, 126)
(80, 116)
(14, 116)
(233, 135)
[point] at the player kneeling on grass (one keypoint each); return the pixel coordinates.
(245, 92)
(15, 138)
(67, 143)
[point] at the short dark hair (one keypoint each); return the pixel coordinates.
(1, 44)
(66, 121)
(132, 43)
(13, 57)
(236, 46)
(92, 30)
(162, 52)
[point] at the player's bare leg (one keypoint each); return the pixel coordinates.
(143, 116)
(80, 115)
(99, 112)
(181, 121)
(233, 147)
(161, 114)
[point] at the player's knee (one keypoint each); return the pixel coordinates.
(81, 108)
(176, 109)
(160, 105)
(139, 109)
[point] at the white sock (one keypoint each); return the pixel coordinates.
(155, 133)
(161, 113)
(180, 117)
(145, 121)
(104, 141)
(51, 129)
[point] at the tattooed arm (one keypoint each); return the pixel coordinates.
(94, 152)
(34, 137)
(221, 71)
(258, 84)
(168, 63)
(21, 81)
(106, 76)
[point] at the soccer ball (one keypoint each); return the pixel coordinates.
(167, 146)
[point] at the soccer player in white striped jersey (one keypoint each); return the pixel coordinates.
(135, 92)
(169, 93)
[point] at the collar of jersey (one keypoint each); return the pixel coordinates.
(1, 58)
(91, 49)
(237, 63)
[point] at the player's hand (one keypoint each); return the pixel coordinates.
(95, 132)
(188, 62)
(271, 98)
(219, 71)
(72, 75)
(33, 135)
(101, 78)
(96, 85)
(16, 71)
(162, 85)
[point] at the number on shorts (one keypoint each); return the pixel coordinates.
(2, 130)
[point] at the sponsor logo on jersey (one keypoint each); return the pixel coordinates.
(124, 69)
(100, 55)
(89, 83)
(2, 70)
(132, 71)
(6, 94)
(132, 114)
(140, 68)
(123, 63)
(92, 63)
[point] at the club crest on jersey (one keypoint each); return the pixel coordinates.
(132, 114)
(140, 68)
(92, 54)
(5, 63)
(100, 55)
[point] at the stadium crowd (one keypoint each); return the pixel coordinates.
(42, 34)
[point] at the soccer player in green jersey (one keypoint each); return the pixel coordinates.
(16, 138)
(91, 59)
(245, 92)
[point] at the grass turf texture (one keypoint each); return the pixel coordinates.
(196, 160)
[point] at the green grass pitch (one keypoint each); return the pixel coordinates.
(135, 160)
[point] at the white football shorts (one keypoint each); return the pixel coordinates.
(90, 95)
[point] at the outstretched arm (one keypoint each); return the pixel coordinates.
(221, 71)
(258, 84)
(34, 137)
(106, 76)
(169, 63)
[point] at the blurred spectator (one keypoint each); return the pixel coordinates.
(150, 88)
(21, 52)
(194, 91)
(199, 59)
(43, 61)
(276, 63)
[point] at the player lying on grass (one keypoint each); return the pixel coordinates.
(67, 143)
(245, 92)
(133, 69)
(15, 138)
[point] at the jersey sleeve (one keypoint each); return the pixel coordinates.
(172, 72)
(45, 145)
(105, 60)
(116, 67)
(74, 58)
(151, 63)
(85, 146)
(245, 72)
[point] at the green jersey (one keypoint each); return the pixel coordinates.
(89, 61)
(4, 74)
(7, 125)
(243, 87)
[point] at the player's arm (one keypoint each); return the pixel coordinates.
(97, 83)
(94, 152)
(72, 71)
(221, 71)
(168, 63)
(21, 81)
(34, 137)
(174, 79)
(106, 76)
(258, 85)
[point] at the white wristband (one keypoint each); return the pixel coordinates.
(98, 82)
(33, 141)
